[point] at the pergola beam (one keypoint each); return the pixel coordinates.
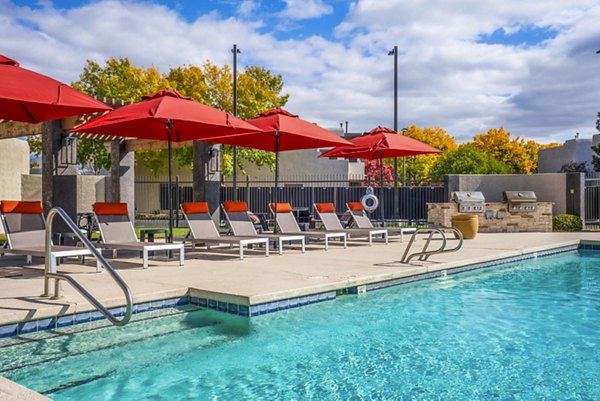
(142, 145)
(15, 129)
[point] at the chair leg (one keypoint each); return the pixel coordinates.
(241, 251)
(29, 259)
(303, 245)
(345, 241)
(145, 258)
(267, 249)
(114, 252)
(370, 239)
(326, 243)
(385, 235)
(280, 246)
(181, 256)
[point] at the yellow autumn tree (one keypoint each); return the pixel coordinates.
(418, 168)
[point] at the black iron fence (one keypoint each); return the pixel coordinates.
(404, 203)
(592, 200)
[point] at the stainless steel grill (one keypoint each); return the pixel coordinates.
(521, 201)
(469, 202)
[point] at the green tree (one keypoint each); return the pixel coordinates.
(596, 149)
(258, 90)
(468, 159)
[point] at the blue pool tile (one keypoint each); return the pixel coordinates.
(203, 302)
(262, 309)
(243, 310)
(28, 327)
(272, 307)
(294, 302)
(313, 298)
(284, 304)
(183, 301)
(194, 300)
(168, 303)
(9, 330)
(63, 321)
(119, 311)
(143, 307)
(212, 304)
(157, 304)
(96, 316)
(82, 317)
(254, 310)
(232, 308)
(222, 306)
(46, 324)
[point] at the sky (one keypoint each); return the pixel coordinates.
(463, 65)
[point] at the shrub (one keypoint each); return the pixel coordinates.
(566, 222)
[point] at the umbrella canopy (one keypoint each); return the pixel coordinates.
(381, 143)
(168, 116)
(188, 120)
(32, 98)
(293, 132)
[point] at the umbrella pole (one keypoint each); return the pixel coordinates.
(170, 190)
(382, 192)
(275, 197)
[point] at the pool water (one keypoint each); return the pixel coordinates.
(526, 331)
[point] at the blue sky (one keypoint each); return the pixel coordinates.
(464, 65)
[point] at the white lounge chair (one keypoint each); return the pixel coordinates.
(288, 225)
(326, 212)
(118, 233)
(204, 231)
(361, 220)
(25, 229)
(237, 216)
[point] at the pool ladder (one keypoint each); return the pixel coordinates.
(424, 253)
(50, 270)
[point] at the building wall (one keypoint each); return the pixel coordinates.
(14, 162)
(566, 194)
(574, 150)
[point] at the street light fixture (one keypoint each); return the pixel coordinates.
(235, 52)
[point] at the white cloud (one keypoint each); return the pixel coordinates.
(447, 78)
(306, 9)
(246, 8)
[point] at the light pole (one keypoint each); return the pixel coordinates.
(394, 52)
(235, 52)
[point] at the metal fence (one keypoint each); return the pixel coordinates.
(592, 200)
(404, 203)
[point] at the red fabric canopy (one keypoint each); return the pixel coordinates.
(294, 133)
(147, 119)
(381, 142)
(31, 97)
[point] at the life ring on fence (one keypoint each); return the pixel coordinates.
(370, 202)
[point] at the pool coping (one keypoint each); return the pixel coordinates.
(290, 299)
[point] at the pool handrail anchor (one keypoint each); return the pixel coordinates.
(50, 270)
(424, 253)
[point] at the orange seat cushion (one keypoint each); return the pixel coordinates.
(31, 207)
(195, 207)
(325, 207)
(108, 208)
(355, 206)
(235, 206)
(281, 207)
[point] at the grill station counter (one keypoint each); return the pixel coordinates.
(469, 202)
(520, 201)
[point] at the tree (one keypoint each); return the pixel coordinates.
(596, 149)
(418, 168)
(468, 159)
(520, 154)
(574, 167)
(258, 90)
(373, 174)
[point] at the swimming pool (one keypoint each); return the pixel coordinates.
(525, 331)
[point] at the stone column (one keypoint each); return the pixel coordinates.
(121, 182)
(59, 171)
(207, 178)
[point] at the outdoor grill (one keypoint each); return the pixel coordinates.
(469, 202)
(521, 201)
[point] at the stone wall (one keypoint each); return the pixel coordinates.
(538, 221)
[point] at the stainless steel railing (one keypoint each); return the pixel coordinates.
(51, 270)
(424, 253)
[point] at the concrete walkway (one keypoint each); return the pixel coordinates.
(256, 279)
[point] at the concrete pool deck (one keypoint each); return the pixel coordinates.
(220, 275)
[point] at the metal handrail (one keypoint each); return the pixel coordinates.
(424, 254)
(50, 270)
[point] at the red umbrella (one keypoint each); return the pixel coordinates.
(281, 131)
(31, 97)
(380, 143)
(167, 116)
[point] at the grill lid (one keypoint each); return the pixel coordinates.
(520, 197)
(468, 196)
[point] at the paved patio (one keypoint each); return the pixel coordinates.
(255, 280)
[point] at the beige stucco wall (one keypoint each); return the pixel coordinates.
(14, 162)
(90, 189)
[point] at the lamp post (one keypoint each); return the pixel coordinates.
(235, 52)
(394, 52)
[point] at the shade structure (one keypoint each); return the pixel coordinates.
(281, 130)
(30, 97)
(167, 116)
(381, 143)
